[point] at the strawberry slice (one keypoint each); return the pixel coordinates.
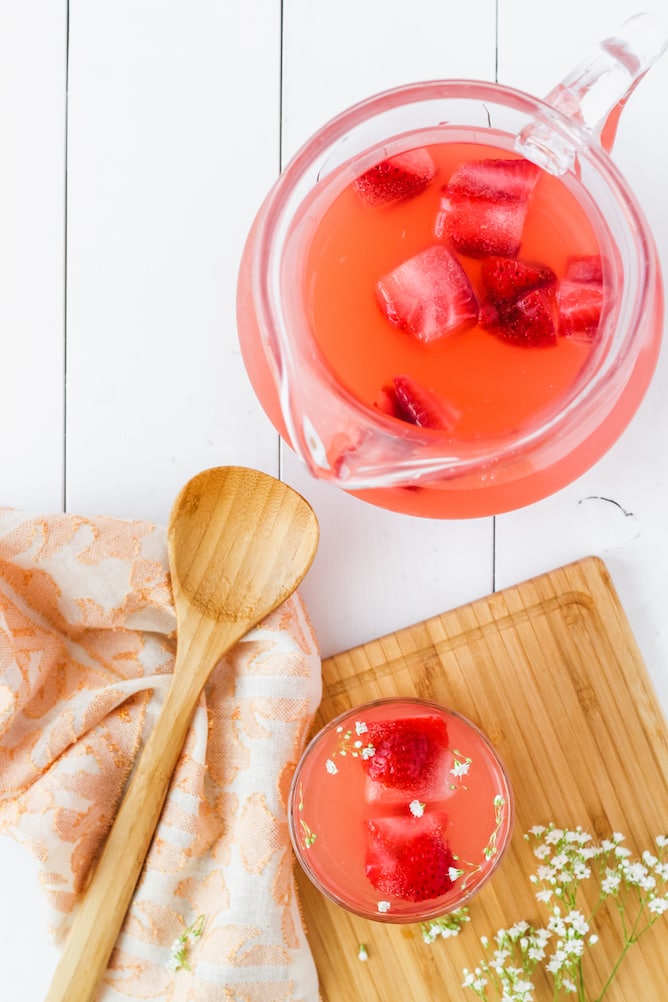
(506, 278)
(528, 321)
(408, 753)
(429, 295)
(408, 400)
(409, 858)
(579, 309)
(399, 177)
(484, 205)
(587, 268)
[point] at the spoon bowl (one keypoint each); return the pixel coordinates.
(240, 543)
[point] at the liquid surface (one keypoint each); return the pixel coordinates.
(494, 386)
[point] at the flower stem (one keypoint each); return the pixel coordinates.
(581, 985)
(615, 968)
(630, 938)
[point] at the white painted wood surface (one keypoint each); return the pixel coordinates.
(121, 372)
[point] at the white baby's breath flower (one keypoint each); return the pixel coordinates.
(638, 875)
(383, 906)
(446, 926)
(610, 883)
(368, 752)
(416, 807)
(474, 980)
(331, 767)
(557, 961)
(499, 957)
(564, 856)
(360, 727)
(460, 768)
(577, 921)
(180, 948)
(574, 947)
(362, 953)
(633, 870)
(558, 927)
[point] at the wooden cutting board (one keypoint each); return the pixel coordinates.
(551, 672)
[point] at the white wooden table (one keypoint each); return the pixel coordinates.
(138, 138)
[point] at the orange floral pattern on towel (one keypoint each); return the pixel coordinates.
(86, 649)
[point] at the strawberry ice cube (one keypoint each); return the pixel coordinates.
(477, 227)
(409, 858)
(419, 405)
(484, 206)
(586, 268)
(397, 178)
(429, 295)
(509, 180)
(579, 307)
(528, 321)
(410, 761)
(406, 751)
(387, 402)
(507, 278)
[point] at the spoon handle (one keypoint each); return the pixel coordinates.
(100, 915)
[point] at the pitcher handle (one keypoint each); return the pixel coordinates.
(593, 95)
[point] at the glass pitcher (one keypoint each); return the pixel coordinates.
(357, 436)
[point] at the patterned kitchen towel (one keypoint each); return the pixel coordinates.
(86, 648)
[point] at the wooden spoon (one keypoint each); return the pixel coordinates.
(239, 544)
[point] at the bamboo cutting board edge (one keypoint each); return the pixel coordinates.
(558, 651)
